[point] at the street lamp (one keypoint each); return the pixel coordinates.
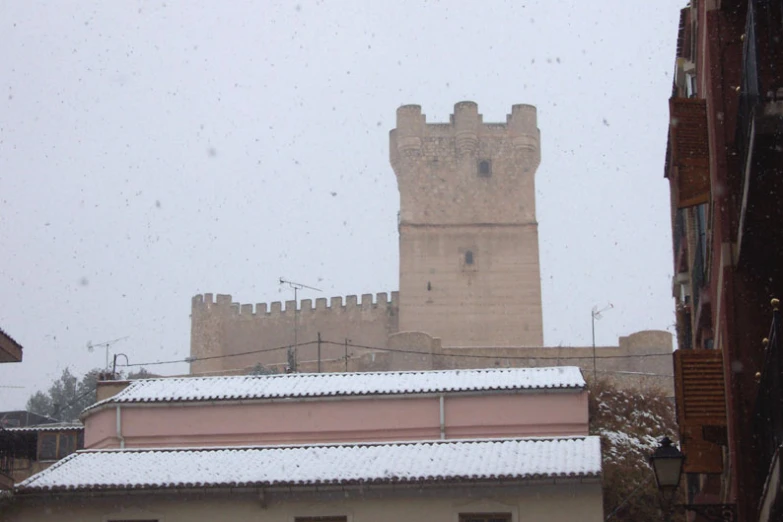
(667, 462)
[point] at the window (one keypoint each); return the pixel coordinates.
(690, 85)
(55, 446)
(47, 446)
(469, 257)
(321, 519)
(484, 168)
(485, 517)
(66, 446)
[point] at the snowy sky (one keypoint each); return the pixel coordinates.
(150, 151)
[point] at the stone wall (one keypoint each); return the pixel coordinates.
(494, 301)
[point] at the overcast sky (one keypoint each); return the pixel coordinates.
(151, 151)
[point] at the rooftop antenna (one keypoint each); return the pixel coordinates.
(91, 347)
(296, 287)
(597, 315)
(114, 364)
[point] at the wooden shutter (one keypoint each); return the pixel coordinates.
(689, 151)
(701, 407)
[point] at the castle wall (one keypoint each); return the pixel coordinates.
(221, 328)
(642, 360)
(470, 284)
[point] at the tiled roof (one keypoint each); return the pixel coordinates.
(47, 427)
(7, 336)
(10, 350)
(407, 462)
(343, 384)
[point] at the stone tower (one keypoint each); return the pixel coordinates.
(469, 267)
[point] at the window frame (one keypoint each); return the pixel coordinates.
(479, 168)
(485, 516)
(323, 518)
(73, 437)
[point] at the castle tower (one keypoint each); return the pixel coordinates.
(469, 267)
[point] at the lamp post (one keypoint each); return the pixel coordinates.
(667, 462)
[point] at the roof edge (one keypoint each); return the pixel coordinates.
(325, 486)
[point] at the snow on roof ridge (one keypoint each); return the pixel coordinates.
(179, 389)
(408, 462)
(55, 426)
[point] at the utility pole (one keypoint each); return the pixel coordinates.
(346, 355)
(296, 286)
(596, 314)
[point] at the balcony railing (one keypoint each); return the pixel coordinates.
(768, 414)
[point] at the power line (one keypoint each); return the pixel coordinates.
(193, 359)
(417, 352)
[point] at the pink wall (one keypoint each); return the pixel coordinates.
(102, 430)
(344, 420)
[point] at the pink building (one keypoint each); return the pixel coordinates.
(481, 445)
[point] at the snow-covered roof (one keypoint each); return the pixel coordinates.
(346, 384)
(402, 462)
(57, 426)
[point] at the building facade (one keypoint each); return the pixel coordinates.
(724, 159)
(487, 445)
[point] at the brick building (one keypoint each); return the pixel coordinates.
(723, 163)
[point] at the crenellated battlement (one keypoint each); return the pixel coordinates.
(227, 335)
(466, 126)
(224, 302)
(466, 171)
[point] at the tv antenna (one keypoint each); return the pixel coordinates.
(597, 314)
(296, 287)
(92, 346)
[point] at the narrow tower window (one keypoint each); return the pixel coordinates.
(468, 257)
(484, 168)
